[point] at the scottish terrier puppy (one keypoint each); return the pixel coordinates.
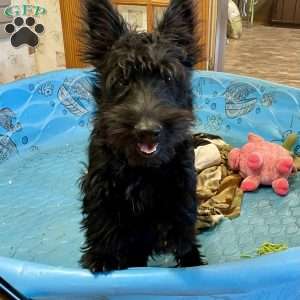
(139, 192)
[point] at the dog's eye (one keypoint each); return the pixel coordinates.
(168, 79)
(122, 83)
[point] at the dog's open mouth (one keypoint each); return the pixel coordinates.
(147, 149)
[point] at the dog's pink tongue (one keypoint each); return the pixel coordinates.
(147, 148)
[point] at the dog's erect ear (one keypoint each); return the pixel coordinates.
(179, 26)
(103, 25)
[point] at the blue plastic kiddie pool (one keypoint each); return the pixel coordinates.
(45, 123)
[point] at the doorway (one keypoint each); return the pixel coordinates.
(269, 47)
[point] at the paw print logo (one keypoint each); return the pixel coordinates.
(24, 32)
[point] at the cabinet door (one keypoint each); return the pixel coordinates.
(70, 12)
(142, 13)
(297, 12)
(286, 11)
(135, 15)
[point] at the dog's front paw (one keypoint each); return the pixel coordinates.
(98, 264)
(191, 258)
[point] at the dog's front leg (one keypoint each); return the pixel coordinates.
(113, 251)
(100, 252)
(110, 243)
(110, 246)
(185, 245)
(100, 217)
(183, 234)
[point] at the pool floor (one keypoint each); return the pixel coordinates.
(40, 213)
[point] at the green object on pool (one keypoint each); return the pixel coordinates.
(267, 248)
(45, 123)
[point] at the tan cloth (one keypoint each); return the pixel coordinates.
(207, 156)
(218, 189)
(218, 192)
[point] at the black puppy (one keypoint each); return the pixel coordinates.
(139, 191)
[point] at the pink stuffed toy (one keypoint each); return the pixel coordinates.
(262, 162)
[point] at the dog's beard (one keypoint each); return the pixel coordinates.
(119, 125)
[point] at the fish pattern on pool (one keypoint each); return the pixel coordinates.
(60, 105)
(50, 106)
(50, 118)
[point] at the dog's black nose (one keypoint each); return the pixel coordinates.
(147, 129)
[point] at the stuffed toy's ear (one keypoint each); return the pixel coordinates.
(253, 138)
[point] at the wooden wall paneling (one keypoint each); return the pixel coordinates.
(203, 16)
(203, 8)
(297, 13)
(150, 16)
(277, 10)
(286, 11)
(130, 2)
(289, 10)
(70, 13)
(160, 2)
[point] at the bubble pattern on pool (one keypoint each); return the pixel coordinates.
(40, 213)
(265, 217)
(40, 207)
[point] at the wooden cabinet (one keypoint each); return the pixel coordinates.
(286, 11)
(154, 10)
(70, 13)
(151, 9)
(145, 13)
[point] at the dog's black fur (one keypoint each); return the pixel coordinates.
(137, 204)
